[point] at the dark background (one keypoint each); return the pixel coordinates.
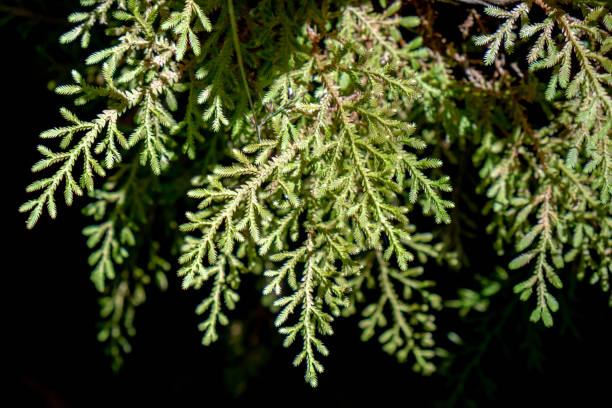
(53, 359)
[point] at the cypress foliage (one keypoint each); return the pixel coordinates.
(323, 147)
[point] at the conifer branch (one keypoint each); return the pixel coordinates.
(301, 127)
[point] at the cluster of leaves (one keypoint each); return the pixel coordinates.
(563, 187)
(540, 153)
(323, 189)
(302, 127)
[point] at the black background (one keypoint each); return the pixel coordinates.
(50, 309)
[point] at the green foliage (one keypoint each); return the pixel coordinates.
(570, 157)
(333, 155)
(318, 139)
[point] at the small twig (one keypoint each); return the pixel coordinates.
(230, 5)
(489, 2)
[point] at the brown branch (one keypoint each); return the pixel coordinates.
(488, 2)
